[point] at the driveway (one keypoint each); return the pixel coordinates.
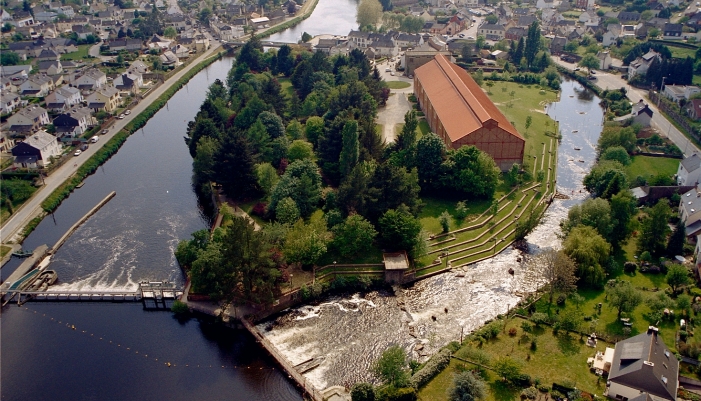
(397, 104)
(32, 207)
(605, 80)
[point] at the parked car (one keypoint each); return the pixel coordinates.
(77, 152)
(105, 131)
(576, 69)
(84, 147)
(462, 35)
(388, 69)
(94, 139)
(121, 116)
(391, 73)
(127, 112)
(471, 37)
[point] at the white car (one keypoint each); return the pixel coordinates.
(388, 69)
(77, 152)
(391, 73)
(94, 139)
(127, 112)
(121, 116)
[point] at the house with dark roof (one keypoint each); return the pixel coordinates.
(460, 113)
(689, 172)
(557, 45)
(643, 368)
(492, 31)
(74, 122)
(36, 150)
(52, 67)
(38, 85)
(28, 120)
(515, 33)
(628, 16)
(672, 31)
(63, 98)
(693, 109)
(641, 64)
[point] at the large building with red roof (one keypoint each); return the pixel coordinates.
(460, 113)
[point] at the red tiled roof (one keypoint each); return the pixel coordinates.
(459, 102)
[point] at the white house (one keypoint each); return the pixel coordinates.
(643, 367)
(640, 65)
(62, 98)
(604, 60)
(36, 150)
(92, 79)
(28, 119)
(689, 172)
(9, 102)
(106, 98)
(589, 18)
(679, 92)
(38, 85)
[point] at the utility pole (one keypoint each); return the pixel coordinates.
(659, 95)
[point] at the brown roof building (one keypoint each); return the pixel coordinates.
(460, 113)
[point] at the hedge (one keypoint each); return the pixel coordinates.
(434, 366)
(112, 146)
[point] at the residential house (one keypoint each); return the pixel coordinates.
(129, 81)
(589, 18)
(640, 65)
(679, 92)
(385, 48)
(557, 45)
(689, 172)
(74, 122)
(15, 71)
(125, 44)
(27, 120)
(48, 55)
(672, 31)
(138, 66)
(525, 21)
(181, 51)
(642, 114)
(104, 99)
(91, 79)
(38, 85)
(9, 102)
(36, 150)
(169, 58)
(585, 4)
(628, 17)
(460, 113)
(611, 35)
(45, 16)
(693, 109)
(52, 67)
(82, 30)
(201, 43)
(643, 368)
(515, 33)
(22, 19)
(407, 40)
(690, 210)
(228, 32)
(63, 98)
(492, 31)
(604, 59)
(359, 39)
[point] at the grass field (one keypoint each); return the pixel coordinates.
(397, 84)
(648, 167)
(82, 53)
(4, 250)
(560, 358)
(286, 85)
(682, 52)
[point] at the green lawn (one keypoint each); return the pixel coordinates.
(4, 250)
(397, 84)
(682, 52)
(648, 166)
(696, 80)
(82, 53)
(423, 127)
(560, 358)
(286, 85)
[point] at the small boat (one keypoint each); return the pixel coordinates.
(22, 253)
(80, 185)
(577, 148)
(581, 160)
(574, 131)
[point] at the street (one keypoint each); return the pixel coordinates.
(32, 207)
(605, 80)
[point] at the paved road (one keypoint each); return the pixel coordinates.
(606, 80)
(32, 208)
(397, 104)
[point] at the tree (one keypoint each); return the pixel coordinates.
(285, 63)
(362, 392)
(590, 251)
(235, 168)
(300, 150)
(617, 153)
(557, 269)
(354, 236)
(654, 228)
(430, 153)
(491, 19)
(623, 208)
(203, 166)
(614, 136)
(529, 120)
(467, 386)
(286, 211)
(9, 58)
(169, 32)
(267, 177)
(407, 137)
(204, 15)
(471, 171)
(675, 245)
(307, 243)
(445, 220)
(314, 129)
(532, 43)
(518, 53)
(302, 183)
(391, 367)
(349, 152)
(399, 229)
(589, 61)
(369, 13)
(677, 276)
(593, 212)
(623, 296)
(606, 179)
(507, 368)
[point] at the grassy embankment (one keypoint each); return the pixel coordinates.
(645, 166)
(112, 146)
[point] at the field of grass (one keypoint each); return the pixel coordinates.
(82, 53)
(682, 52)
(286, 85)
(423, 128)
(4, 250)
(397, 84)
(648, 167)
(560, 358)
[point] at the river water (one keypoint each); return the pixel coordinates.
(130, 239)
(335, 17)
(349, 333)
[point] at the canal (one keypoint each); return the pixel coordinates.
(120, 351)
(336, 17)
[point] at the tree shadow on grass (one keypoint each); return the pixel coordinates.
(502, 391)
(568, 344)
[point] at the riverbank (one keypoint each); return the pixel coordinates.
(60, 184)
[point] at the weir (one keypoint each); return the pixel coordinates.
(82, 220)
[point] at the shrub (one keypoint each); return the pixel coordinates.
(513, 331)
(530, 393)
(363, 392)
(453, 346)
(391, 393)
(539, 318)
(527, 327)
(683, 334)
(630, 267)
(561, 299)
(534, 345)
(259, 209)
(179, 308)
(433, 366)
(543, 388)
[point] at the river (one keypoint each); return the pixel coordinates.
(336, 17)
(349, 333)
(130, 239)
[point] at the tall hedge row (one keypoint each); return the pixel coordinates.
(433, 366)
